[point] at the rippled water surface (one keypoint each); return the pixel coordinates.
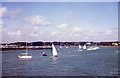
(70, 62)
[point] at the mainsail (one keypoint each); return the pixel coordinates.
(84, 47)
(54, 51)
(80, 47)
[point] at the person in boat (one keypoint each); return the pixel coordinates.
(44, 54)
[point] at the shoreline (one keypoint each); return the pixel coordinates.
(10, 49)
(109, 46)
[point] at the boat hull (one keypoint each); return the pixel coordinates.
(95, 48)
(44, 55)
(54, 56)
(24, 57)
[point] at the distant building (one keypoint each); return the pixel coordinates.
(115, 44)
(88, 43)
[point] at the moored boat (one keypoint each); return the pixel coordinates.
(44, 54)
(25, 55)
(80, 48)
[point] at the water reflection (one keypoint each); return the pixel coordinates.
(54, 60)
(21, 69)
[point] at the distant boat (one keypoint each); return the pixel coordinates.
(66, 46)
(97, 48)
(54, 51)
(44, 54)
(93, 48)
(80, 48)
(60, 46)
(25, 55)
(84, 47)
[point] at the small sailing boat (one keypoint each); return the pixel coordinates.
(25, 55)
(44, 54)
(66, 46)
(60, 46)
(80, 48)
(54, 51)
(84, 47)
(97, 48)
(93, 48)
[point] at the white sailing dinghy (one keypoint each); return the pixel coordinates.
(25, 55)
(80, 48)
(44, 54)
(60, 46)
(66, 46)
(54, 51)
(84, 47)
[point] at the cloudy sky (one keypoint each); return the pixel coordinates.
(59, 21)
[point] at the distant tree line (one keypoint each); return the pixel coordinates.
(40, 43)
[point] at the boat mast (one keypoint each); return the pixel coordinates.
(44, 46)
(26, 47)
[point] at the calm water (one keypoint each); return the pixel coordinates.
(70, 62)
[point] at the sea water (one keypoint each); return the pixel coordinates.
(70, 62)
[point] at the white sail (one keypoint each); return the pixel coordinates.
(80, 47)
(54, 51)
(84, 47)
(60, 46)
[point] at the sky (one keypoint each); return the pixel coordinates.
(59, 21)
